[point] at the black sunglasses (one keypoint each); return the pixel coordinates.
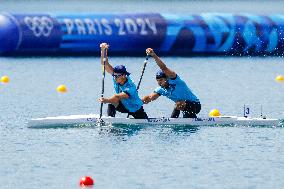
(117, 75)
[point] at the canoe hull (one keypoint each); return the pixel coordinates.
(93, 119)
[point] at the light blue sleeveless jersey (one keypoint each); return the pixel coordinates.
(177, 90)
(133, 103)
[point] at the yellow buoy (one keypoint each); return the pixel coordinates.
(5, 79)
(61, 89)
(214, 113)
(279, 78)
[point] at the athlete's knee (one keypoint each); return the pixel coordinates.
(111, 110)
(180, 105)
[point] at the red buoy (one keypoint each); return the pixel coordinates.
(86, 181)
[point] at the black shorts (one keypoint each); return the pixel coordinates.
(192, 106)
(190, 110)
(139, 114)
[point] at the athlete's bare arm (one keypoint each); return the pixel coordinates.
(169, 73)
(114, 99)
(104, 49)
(149, 98)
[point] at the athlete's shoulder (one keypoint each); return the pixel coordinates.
(175, 79)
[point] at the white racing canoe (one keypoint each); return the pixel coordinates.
(93, 119)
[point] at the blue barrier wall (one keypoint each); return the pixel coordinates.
(131, 34)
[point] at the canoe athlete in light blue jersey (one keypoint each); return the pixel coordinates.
(126, 99)
(174, 88)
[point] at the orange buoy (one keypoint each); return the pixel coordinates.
(86, 181)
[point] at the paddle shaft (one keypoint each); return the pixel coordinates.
(143, 70)
(103, 80)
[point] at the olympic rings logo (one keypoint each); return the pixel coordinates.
(41, 26)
